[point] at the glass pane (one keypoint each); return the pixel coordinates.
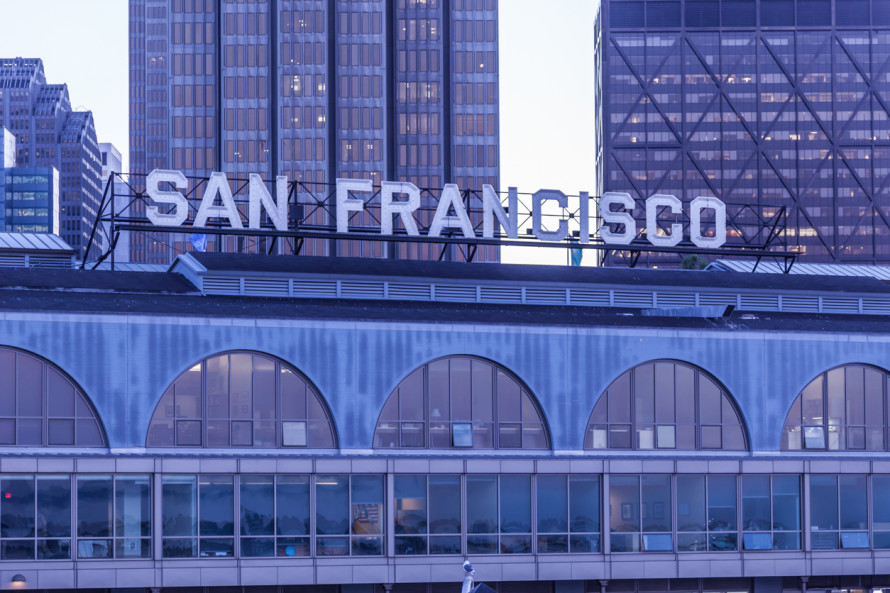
(685, 395)
(132, 507)
(823, 503)
(624, 503)
(482, 391)
(584, 504)
(721, 503)
(516, 504)
(53, 507)
(217, 386)
(691, 503)
(332, 505)
(853, 505)
(292, 546)
(367, 504)
(94, 506)
(217, 506)
(240, 383)
(656, 507)
(709, 400)
(29, 392)
(411, 397)
(509, 398)
(461, 397)
(7, 382)
(187, 390)
(179, 498)
(552, 502)
(482, 515)
(180, 548)
(257, 547)
(664, 392)
(644, 389)
(258, 508)
(292, 505)
(264, 388)
(17, 507)
(293, 395)
(440, 408)
(293, 433)
(811, 402)
(619, 399)
(755, 504)
(835, 393)
(60, 395)
(444, 504)
(881, 502)
(410, 507)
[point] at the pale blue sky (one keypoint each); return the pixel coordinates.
(546, 80)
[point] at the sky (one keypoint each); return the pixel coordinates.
(546, 84)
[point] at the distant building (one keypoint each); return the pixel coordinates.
(110, 157)
(761, 103)
(49, 133)
(30, 198)
(315, 90)
(7, 149)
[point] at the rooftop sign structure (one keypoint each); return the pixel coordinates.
(167, 201)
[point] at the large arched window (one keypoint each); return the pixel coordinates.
(843, 409)
(241, 399)
(665, 404)
(461, 402)
(41, 406)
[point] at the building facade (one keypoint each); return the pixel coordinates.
(49, 133)
(326, 423)
(30, 198)
(316, 90)
(765, 104)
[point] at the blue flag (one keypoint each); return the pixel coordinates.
(576, 255)
(199, 242)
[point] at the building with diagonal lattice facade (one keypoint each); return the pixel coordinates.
(762, 103)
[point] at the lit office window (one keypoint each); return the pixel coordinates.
(274, 516)
(640, 513)
(461, 402)
(499, 520)
(838, 512)
(198, 516)
(113, 516)
(771, 512)
(841, 409)
(427, 514)
(665, 405)
(35, 517)
(41, 406)
(241, 399)
(349, 515)
(706, 513)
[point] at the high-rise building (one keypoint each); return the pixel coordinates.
(761, 103)
(316, 90)
(30, 200)
(48, 133)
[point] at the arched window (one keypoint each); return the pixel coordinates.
(665, 404)
(241, 399)
(40, 405)
(461, 402)
(843, 409)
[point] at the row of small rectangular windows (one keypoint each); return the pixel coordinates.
(44, 516)
(744, 13)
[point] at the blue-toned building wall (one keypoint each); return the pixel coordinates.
(356, 365)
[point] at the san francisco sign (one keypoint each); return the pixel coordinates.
(400, 200)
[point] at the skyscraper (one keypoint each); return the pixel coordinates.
(48, 133)
(316, 90)
(761, 103)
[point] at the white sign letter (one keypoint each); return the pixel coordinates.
(491, 204)
(260, 198)
(345, 204)
(404, 209)
(615, 198)
(180, 204)
(218, 184)
(450, 198)
(537, 227)
(652, 205)
(695, 231)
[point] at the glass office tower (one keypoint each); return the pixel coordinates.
(48, 133)
(315, 90)
(761, 103)
(30, 200)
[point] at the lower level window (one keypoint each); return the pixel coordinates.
(349, 515)
(35, 517)
(499, 514)
(274, 516)
(838, 512)
(113, 516)
(640, 513)
(427, 514)
(568, 514)
(771, 512)
(706, 513)
(198, 516)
